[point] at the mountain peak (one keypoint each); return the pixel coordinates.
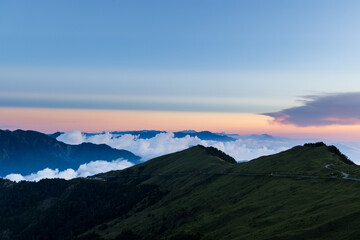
(217, 153)
(333, 149)
(193, 159)
(309, 159)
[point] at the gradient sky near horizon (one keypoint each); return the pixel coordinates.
(234, 66)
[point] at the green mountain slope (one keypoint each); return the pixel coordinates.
(309, 159)
(193, 160)
(197, 193)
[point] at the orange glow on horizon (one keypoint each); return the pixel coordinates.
(51, 120)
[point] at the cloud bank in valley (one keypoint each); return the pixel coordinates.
(163, 143)
(88, 169)
(242, 149)
(322, 110)
(74, 137)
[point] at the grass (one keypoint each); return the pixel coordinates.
(237, 207)
(193, 194)
(248, 207)
(300, 160)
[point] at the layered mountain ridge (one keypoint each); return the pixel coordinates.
(25, 152)
(146, 134)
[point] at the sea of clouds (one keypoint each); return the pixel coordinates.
(244, 148)
(163, 143)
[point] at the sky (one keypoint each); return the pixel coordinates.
(288, 68)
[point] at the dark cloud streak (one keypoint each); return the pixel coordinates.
(322, 110)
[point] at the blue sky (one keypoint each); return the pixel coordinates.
(232, 56)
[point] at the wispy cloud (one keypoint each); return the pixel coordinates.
(322, 110)
(137, 102)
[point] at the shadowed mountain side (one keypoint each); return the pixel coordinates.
(25, 152)
(55, 135)
(220, 154)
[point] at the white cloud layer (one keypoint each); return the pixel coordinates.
(88, 169)
(74, 137)
(242, 149)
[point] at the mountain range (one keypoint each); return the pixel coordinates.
(146, 134)
(307, 192)
(252, 141)
(203, 135)
(25, 152)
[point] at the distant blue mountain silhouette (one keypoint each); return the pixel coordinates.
(146, 134)
(26, 152)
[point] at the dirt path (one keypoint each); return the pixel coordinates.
(328, 166)
(345, 175)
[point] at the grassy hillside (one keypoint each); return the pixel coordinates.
(195, 159)
(252, 208)
(309, 159)
(192, 194)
